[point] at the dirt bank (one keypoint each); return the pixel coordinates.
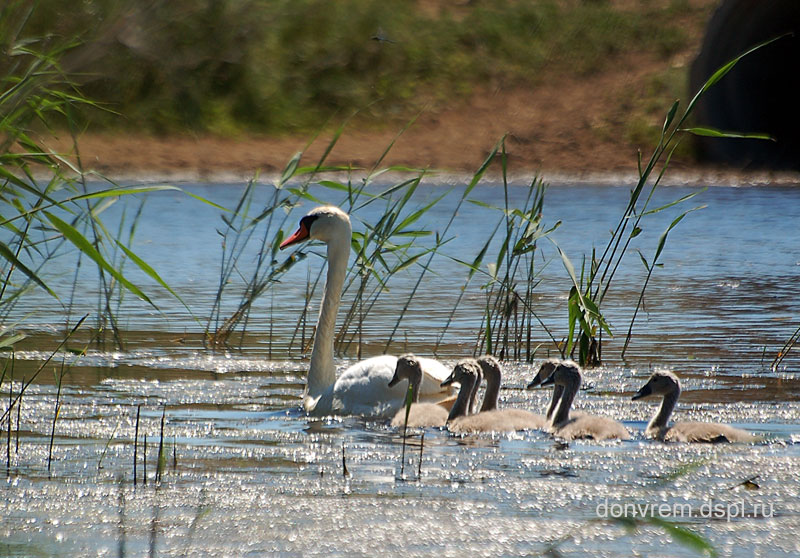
(576, 126)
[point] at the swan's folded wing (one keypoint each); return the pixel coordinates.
(433, 374)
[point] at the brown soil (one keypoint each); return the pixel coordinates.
(565, 125)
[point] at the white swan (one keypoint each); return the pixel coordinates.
(362, 389)
(420, 414)
(490, 418)
(568, 426)
(667, 385)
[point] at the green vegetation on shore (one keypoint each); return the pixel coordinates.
(226, 66)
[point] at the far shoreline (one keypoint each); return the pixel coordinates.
(142, 159)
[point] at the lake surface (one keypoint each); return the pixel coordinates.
(248, 475)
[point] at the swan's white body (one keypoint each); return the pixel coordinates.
(363, 388)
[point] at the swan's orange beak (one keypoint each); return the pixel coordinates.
(299, 235)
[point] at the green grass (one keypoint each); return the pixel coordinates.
(256, 66)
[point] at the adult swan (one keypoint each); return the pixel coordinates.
(362, 389)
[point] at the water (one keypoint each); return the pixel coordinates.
(248, 475)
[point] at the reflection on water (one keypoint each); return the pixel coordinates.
(248, 475)
(252, 476)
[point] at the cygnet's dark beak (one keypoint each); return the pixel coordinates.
(534, 383)
(551, 379)
(643, 392)
(450, 379)
(394, 379)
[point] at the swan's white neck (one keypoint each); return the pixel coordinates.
(322, 372)
(661, 418)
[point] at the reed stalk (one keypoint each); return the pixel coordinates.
(144, 459)
(161, 463)
(136, 443)
(19, 415)
(407, 406)
(56, 412)
(790, 343)
(121, 534)
(105, 448)
(586, 321)
(10, 426)
(421, 449)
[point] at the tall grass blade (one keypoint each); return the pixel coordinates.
(713, 133)
(684, 536)
(72, 234)
(11, 258)
(105, 448)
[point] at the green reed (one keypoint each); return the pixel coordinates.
(510, 317)
(263, 224)
(388, 244)
(385, 248)
(49, 209)
(586, 322)
(508, 323)
(790, 343)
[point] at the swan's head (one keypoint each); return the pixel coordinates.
(408, 368)
(567, 374)
(323, 223)
(545, 370)
(660, 383)
(490, 367)
(464, 372)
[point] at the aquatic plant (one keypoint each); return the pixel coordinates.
(389, 244)
(586, 322)
(49, 209)
(507, 329)
(790, 343)
(240, 228)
